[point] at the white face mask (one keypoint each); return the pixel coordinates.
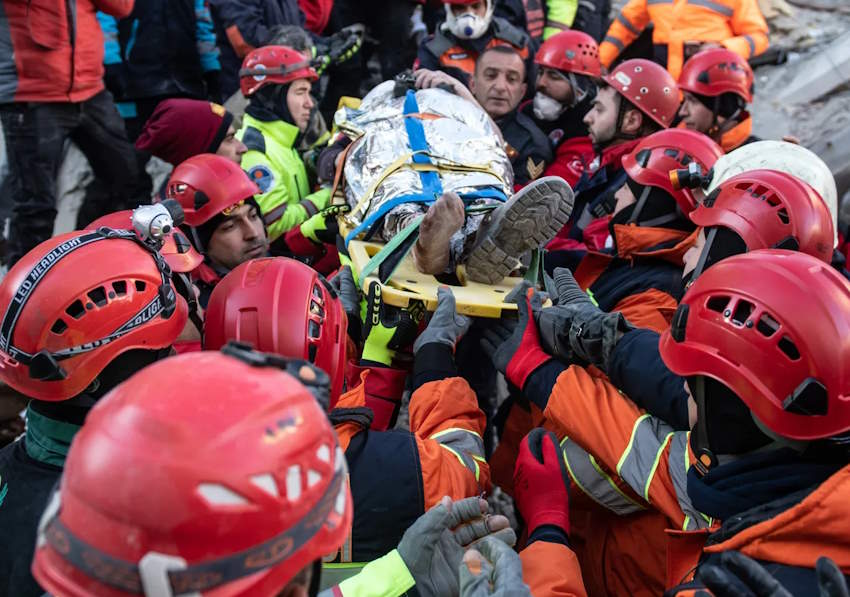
(546, 108)
(468, 25)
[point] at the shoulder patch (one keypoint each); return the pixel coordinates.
(534, 170)
(253, 139)
(262, 177)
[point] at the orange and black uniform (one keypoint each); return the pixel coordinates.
(738, 25)
(395, 476)
(456, 57)
(642, 277)
(777, 506)
(597, 178)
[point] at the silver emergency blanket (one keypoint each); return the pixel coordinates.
(462, 135)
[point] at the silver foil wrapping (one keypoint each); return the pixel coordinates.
(462, 134)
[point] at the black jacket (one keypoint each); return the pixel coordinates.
(25, 486)
(164, 48)
(530, 151)
(242, 25)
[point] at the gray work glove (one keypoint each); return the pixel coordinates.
(576, 329)
(446, 325)
(492, 568)
(432, 548)
(738, 575)
(349, 295)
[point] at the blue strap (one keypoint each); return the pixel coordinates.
(386, 206)
(431, 184)
(432, 187)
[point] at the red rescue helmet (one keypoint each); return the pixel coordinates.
(649, 87)
(176, 249)
(76, 302)
(273, 65)
(772, 326)
(770, 209)
(200, 474)
(572, 52)
(717, 71)
(281, 306)
(206, 185)
(656, 155)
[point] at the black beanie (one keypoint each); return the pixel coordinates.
(658, 203)
(729, 422)
(727, 103)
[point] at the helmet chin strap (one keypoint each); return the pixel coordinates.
(705, 458)
(621, 116)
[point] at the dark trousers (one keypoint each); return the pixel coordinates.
(388, 21)
(35, 137)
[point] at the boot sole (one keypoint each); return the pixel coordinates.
(529, 219)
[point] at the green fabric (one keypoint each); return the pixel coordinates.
(48, 440)
(560, 13)
(376, 346)
(313, 225)
(384, 577)
(288, 184)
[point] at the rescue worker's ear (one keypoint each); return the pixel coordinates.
(632, 122)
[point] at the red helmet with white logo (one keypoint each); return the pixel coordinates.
(273, 65)
(206, 185)
(176, 249)
(656, 155)
(649, 87)
(282, 306)
(202, 474)
(770, 209)
(772, 326)
(76, 302)
(571, 52)
(717, 71)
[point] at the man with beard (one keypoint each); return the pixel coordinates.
(568, 67)
(222, 218)
(636, 99)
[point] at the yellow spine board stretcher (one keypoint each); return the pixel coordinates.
(407, 283)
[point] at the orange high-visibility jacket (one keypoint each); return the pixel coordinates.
(737, 25)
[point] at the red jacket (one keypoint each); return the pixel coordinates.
(49, 61)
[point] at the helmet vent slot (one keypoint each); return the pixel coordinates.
(140, 285)
(76, 309)
(718, 303)
(742, 312)
(59, 327)
(98, 296)
(767, 325)
(783, 215)
(313, 330)
(120, 287)
(787, 346)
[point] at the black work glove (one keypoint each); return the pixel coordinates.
(339, 47)
(576, 329)
(212, 78)
(740, 576)
(349, 295)
(514, 345)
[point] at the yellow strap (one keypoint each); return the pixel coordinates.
(402, 161)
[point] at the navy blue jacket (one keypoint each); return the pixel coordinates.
(163, 48)
(243, 25)
(638, 371)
